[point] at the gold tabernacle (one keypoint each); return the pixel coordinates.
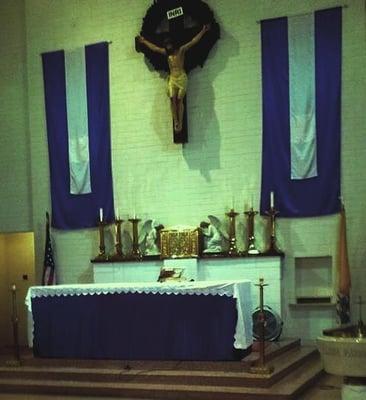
(180, 243)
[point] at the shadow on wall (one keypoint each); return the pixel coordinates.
(162, 127)
(202, 152)
(87, 275)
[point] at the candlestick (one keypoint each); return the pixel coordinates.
(233, 251)
(16, 362)
(250, 227)
(272, 249)
(261, 367)
(102, 255)
(118, 255)
(136, 253)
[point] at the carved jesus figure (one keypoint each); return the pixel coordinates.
(177, 79)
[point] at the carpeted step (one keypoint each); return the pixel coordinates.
(224, 377)
(289, 388)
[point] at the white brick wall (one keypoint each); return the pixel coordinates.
(15, 198)
(175, 184)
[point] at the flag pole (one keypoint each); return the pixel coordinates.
(344, 277)
(49, 275)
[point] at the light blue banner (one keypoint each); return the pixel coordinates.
(302, 96)
(77, 121)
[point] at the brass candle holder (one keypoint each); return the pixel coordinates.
(16, 362)
(118, 255)
(261, 367)
(272, 249)
(233, 251)
(251, 237)
(102, 256)
(136, 253)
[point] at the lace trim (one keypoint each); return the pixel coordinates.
(239, 290)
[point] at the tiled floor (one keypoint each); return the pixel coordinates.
(327, 388)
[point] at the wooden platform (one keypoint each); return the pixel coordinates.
(296, 367)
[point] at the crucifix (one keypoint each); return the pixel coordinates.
(173, 39)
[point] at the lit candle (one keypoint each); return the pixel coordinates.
(101, 214)
(116, 241)
(272, 199)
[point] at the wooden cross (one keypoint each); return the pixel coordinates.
(176, 29)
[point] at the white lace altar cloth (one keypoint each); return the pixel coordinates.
(240, 290)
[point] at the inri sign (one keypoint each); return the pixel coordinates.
(174, 13)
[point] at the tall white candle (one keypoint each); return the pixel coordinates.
(272, 199)
(101, 214)
(117, 213)
(251, 201)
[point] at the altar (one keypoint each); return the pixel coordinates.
(203, 269)
(157, 321)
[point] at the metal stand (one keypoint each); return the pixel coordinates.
(251, 238)
(102, 255)
(261, 368)
(136, 253)
(360, 325)
(233, 251)
(15, 321)
(118, 256)
(272, 249)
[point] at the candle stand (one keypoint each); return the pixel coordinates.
(118, 255)
(136, 253)
(251, 238)
(272, 249)
(233, 251)
(261, 368)
(102, 254)
(16, 362)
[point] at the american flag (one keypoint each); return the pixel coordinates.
(49, 275)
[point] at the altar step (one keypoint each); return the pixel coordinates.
(182, 374)
(273, 350)
(296, 368)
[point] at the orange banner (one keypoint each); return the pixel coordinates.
(344, 276)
